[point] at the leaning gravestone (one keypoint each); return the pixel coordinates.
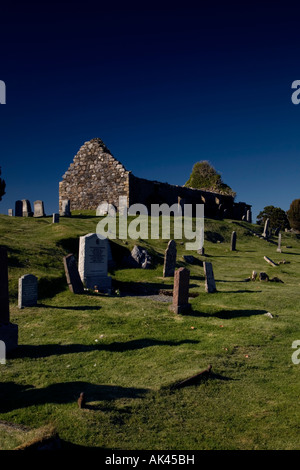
(26, 209)
(279, 243)
(19, 209)
(38, 207)
(10, 212)
(210, 285)
(266, 229)
(181, 291)
(65, 208)
(55, 218)
(233, 241)
(93, 262)
(73, 279)
(28, 291)
(170, 259)
(8, 331)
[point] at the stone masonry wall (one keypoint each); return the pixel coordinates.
(95, 176)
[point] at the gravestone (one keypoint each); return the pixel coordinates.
(233, 241)
(65, 208)
(201, 251)
(55, 218)
(26, 208)
(73, 279)
(268, 260)
(28, 291)
(170, 259)
(8, 331)
(277, 230)
(266, 229)
(210, 285)
(279, 243)
(181, 291)
(10, 212)
(106, 209)
(19, 209)
(93, 262)
(249, 216)
(38, 207)
(254, 275)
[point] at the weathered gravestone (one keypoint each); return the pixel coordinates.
(65, 208)
(210, 285)
(233, 241)
(19, 209)
(249, 216)
(73, 279)
(38, 207)
(55, 218)
(8, 331)
(28, 291)
(279, 243)
(26, 208)
(266, 229)
(93, 261)
(181, 291)
(170, 259)
(10, 212)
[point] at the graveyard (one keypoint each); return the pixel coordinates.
(128, 350)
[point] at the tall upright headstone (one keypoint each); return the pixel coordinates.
(210, 285)
(181, 291)
(10, 212)
(73, 279)
(266, 229)
(26, 209)
(233, 241)
(93, 262)
(38, 209)
(19, 209)
(279, 243)
(8, 331)
(170, 259)
(65, 208)
(55, 218)
(249, 216)
(28, 291)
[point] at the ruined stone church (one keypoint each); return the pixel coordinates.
(95, 176)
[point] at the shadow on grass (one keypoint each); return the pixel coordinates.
(46, 350)
(241, 291)
(143, 288)
(14, 396)
(78, 307)
(228, 314)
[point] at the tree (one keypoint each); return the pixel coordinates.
(277, 216)
(294, 214)
(2, 186)
(204, 176)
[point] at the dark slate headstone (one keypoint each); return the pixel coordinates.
(26, 209)
(28, 291)
(181, 291)
(170, 259)
(233, 241)
(8, 331)
(73, 279)
(19, 209)
(38, 209)
(210, 285)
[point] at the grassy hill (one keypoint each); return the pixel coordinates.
(125, 351)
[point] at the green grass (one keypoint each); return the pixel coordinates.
(126, 352)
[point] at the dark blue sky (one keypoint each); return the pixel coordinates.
(162, 87)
